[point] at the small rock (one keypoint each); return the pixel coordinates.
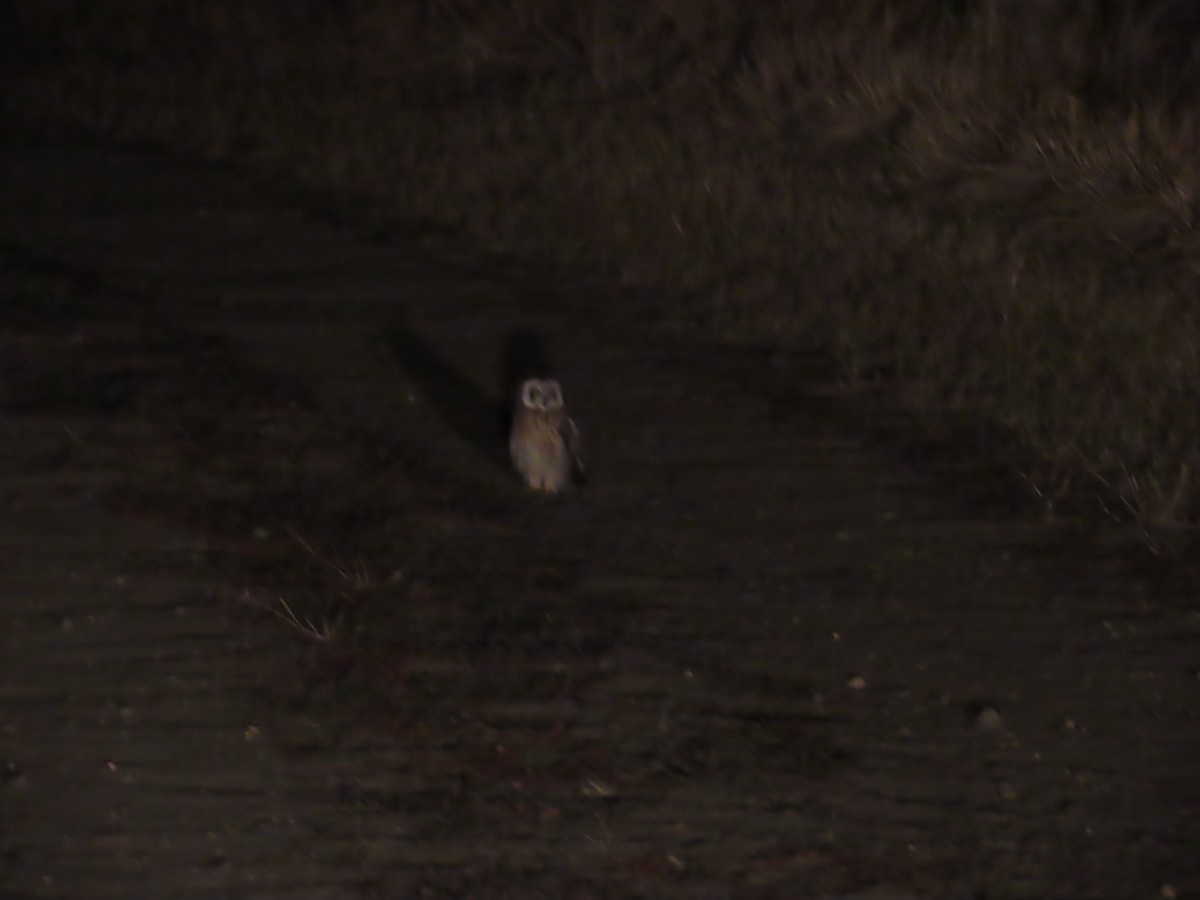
(856, 683)
(12, 777)
(988, 719)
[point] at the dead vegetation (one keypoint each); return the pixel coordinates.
(988, 206)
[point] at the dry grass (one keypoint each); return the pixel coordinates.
(349, 581)
(278, 606)
(990, 205)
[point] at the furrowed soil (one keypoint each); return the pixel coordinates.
(279, 622)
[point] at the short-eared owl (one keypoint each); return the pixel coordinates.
(544, 442)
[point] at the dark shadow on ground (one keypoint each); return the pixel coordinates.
(478, 419)
(525, 356)
(80, 282)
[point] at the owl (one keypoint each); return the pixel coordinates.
(544, 442)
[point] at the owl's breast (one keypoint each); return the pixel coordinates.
(549, 441)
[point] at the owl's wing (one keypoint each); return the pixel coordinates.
(574, 443)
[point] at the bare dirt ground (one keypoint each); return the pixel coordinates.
(756, 656)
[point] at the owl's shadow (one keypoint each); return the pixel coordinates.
(479, 418)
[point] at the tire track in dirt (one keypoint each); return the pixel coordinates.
(647, 689)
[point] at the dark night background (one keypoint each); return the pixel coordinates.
(879, 319)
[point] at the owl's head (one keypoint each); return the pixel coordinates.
(542, 394)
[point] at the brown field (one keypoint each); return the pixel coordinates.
(985, 210)
(280, 623)
(839, 292)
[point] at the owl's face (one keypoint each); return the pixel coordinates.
(541, 394)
